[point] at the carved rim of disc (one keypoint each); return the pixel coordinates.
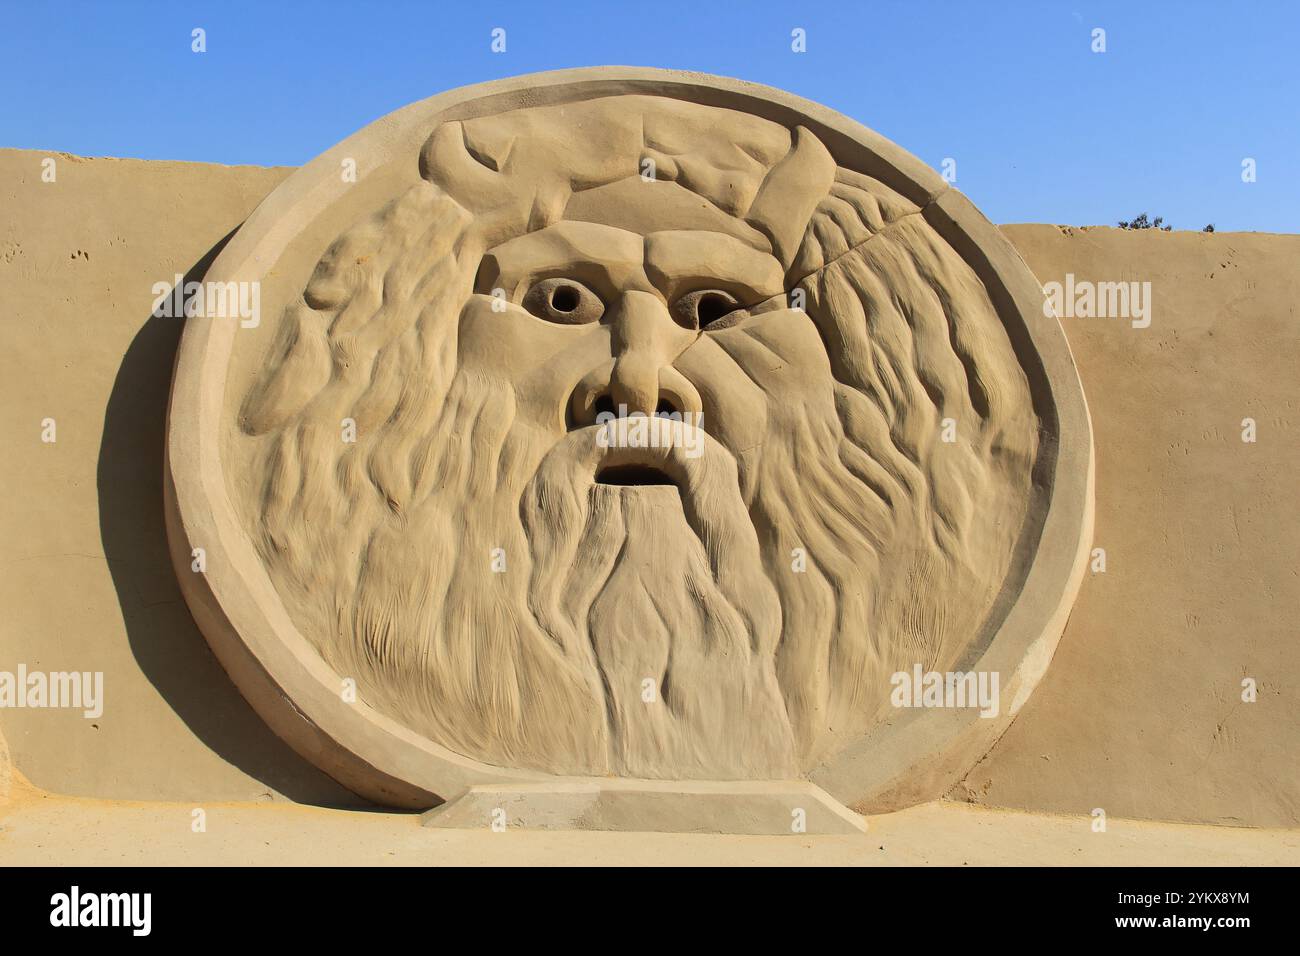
(914, 756)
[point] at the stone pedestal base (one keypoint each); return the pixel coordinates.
(770, 808)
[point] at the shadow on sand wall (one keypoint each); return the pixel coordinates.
(178, 662)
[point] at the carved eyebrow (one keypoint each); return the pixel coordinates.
(679, 261)
(594, 254)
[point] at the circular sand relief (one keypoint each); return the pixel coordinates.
(624, 422)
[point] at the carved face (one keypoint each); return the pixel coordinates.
(600, 320)
(624, 304)
(498, 576)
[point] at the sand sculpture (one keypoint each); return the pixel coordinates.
(626, 424)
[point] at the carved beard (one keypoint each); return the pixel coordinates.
(523, 615)
(666, 585)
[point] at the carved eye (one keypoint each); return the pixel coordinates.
(708, 309)
(564, 300)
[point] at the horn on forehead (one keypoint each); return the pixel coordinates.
(790, 194)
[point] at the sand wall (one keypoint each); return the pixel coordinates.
(1141, 711)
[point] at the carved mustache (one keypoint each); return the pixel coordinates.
(707, 482)
(681, 451)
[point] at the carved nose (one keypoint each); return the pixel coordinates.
(645, 340)
(641, 380)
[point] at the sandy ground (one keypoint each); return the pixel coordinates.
(37, 828)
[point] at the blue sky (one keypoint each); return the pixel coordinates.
(1042, 129)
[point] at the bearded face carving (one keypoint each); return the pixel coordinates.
(844, 493)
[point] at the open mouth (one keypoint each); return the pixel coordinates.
(631, 475)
